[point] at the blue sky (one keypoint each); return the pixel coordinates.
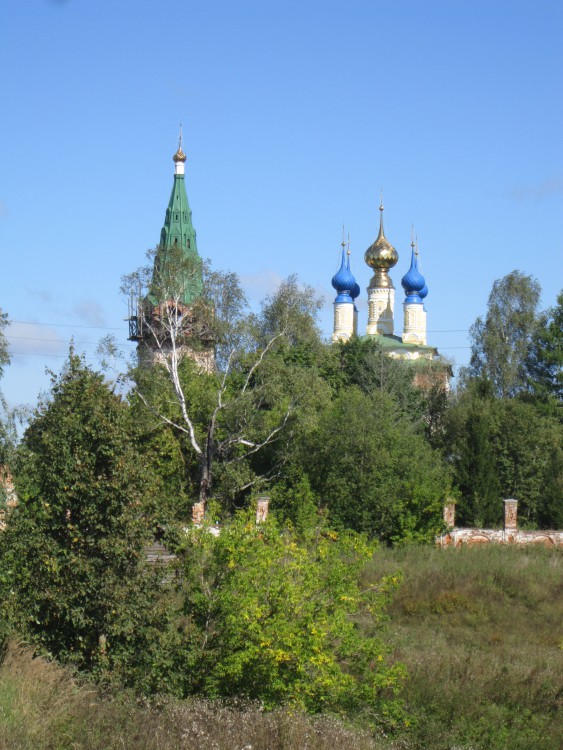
(295, 114)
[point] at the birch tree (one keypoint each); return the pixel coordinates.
(231, 391)
(502, 341)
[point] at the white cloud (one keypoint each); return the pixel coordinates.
(90, 312)
(258, 285)
(31, 339)
(551, 186)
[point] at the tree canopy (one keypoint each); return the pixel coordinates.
(501, 342)
(72, 561)
(545, 364)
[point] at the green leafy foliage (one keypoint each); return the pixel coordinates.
(501, 342)
(374, 471)
(4, 351)
(274, 616)
(7, 416)
(73, 575)
(501, 448)
(470, 424)
(546, 356)
(234, 425)
(363, 363)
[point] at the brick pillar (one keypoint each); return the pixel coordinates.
(262, 509)
(449, 514)
(198, 511)
(510, 515)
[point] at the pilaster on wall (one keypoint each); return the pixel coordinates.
(414, 326)
(344, 321)
(381, 303)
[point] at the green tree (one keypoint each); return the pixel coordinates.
(546, 356)
(469, 427)
(6, 420)
(284, 619)
(4, 351)
(501, 343)
(364, 364)
(501, 448)
(374, 471)
(72, 567)
(230, 415)
(528, 447)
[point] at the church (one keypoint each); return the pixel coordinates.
(155, 320)
(172, 319)
(381, 256)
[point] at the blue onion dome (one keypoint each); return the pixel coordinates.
(343, 281)
(355, 290)
(413, 281)
(423, 292)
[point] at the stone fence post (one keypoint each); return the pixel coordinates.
(449, 514)
(510, 514)
(198, 511)
(262, 509)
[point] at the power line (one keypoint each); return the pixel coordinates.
(40, 354)
(66, 325)
(108, 328)
(54, 341)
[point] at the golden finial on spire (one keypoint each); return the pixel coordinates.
(343, 243)
(179, 155)
(412, 236)
(348, 251)
(381, 255)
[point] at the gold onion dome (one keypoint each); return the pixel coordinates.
(179, 155)
(381, 255)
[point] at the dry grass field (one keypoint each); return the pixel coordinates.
(480, 631)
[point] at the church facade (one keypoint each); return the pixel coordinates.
(381, 257)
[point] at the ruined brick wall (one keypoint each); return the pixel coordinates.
(473, 537)
(510, 534)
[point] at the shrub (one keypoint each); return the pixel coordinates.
(276, 617)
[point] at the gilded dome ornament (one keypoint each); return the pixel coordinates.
(179, 155)
(381, 256)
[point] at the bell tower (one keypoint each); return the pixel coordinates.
(381, 256)
(172, 318)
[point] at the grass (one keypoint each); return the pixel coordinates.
(44, 707)
(480, 631)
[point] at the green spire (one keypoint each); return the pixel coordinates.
(177, 266)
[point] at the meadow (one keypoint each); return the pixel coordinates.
(480, 631)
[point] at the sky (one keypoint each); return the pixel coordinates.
(295, 114)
